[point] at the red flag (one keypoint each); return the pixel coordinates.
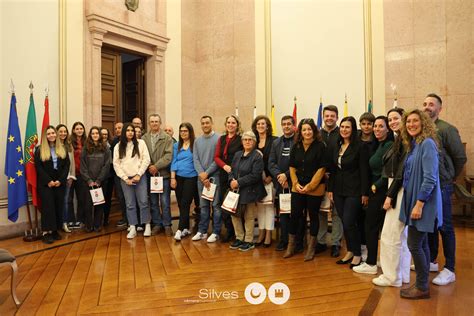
(45, 116)
(294, 114)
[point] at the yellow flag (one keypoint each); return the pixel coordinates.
(346, 109)
(272, 120)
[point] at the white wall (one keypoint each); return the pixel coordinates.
(173, 66)
(317, 50)
(29, 51)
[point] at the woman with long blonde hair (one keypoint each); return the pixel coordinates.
(52, 168)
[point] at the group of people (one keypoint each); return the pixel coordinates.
(395, 176)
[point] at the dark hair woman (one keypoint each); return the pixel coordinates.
(52, 167)
(394, 254)
(349, 185)
(95, 165)
(262, 128)
(63, 135)
(374, 214)
(227, 145)
(184, 177)
(109, 187)
(131, 160)
(308, 162)
(78, 139)
(421, 203)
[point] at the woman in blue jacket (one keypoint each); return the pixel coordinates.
(421, 203)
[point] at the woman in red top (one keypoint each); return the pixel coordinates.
(78, 139)
(227, 145)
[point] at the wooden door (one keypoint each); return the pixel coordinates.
(111, 89)
(133, 90)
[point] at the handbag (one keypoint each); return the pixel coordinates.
(97, 196)
(285, 202)
(209, 193)
(156, 184)
(268, 199)
(326, 205)
(231, 202)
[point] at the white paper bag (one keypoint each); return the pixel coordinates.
(325, 204)
(156, 184)
(231, 202)
(285, 202)
(268, 199)
(97, 196)
(209, 193)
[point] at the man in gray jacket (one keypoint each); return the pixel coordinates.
(203, 156)
(160, 147)
(452, 160)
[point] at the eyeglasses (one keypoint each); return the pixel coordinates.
(247, 139)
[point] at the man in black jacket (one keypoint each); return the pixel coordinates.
(330, 134)
(452, 160)
(279, 167)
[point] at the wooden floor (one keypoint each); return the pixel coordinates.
(108, 274)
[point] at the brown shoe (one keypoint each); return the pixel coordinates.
(156, 230)
(413, 293)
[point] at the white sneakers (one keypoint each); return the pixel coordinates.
(433, 267)
(147, 232)
(212, 238)
(132, 233)
(181, 234)
(199, 236)
(365, 268)
(381, 280)
(444, 277)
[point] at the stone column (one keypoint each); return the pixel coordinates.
(155, 85)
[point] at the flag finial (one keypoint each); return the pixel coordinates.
(294, 99)
(12, 86)
(31, 86)
(46, 90)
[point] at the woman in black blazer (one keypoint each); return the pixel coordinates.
(349, 185)
(52, 167)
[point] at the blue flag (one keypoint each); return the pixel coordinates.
(14, 165)
(320, 115)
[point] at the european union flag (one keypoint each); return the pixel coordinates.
(14, 165)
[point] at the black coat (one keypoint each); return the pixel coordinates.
(46, 172)
(352, 179)
(393, 162)
(95, 166)
(247, 170)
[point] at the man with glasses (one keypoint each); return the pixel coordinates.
(160, 147)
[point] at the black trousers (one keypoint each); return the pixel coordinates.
(93, 214)
(299, 203)
(374, 218)
(226, 217)
(186, 189)
(52, 204)
(79, 187)
(348, 208)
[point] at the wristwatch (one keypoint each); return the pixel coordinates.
(374, 188)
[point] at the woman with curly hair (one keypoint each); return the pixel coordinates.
(421, 203)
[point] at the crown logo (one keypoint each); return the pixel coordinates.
(279, 293)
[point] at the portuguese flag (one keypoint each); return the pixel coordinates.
(31, 140)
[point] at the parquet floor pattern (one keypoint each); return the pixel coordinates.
(112, 275)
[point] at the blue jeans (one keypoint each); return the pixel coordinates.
(206, 211)
(447, 231)
(418, 245)
(133, 194)
(161, 201)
